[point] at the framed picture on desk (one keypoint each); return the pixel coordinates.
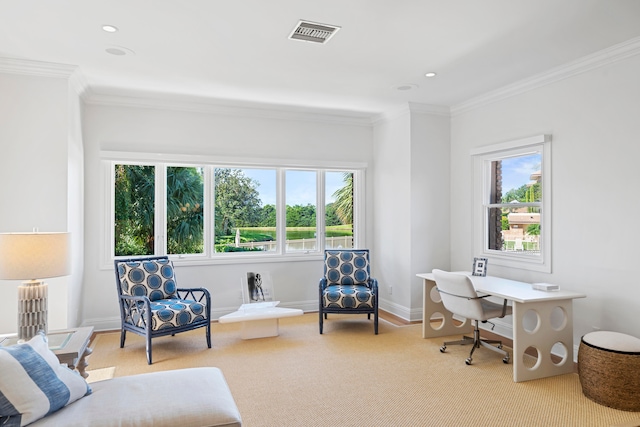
(479, 267)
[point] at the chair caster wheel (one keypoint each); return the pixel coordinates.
(443, 349)
(506, 360)
(468, 361)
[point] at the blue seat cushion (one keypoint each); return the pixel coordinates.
(172, 313)
(348, 296)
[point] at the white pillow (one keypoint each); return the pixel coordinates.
(33, 384)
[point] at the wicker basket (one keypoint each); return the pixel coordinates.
(610, 376)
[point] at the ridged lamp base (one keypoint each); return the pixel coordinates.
(32, 309)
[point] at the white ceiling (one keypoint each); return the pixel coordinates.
(238, 50)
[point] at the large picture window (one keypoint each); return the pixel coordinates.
(512, 203)
(213, 211)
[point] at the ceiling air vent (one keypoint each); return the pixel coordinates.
(313, 32)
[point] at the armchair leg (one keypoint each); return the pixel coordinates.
(149, 349)
(321, 323)
(123, 336)
(375, 322)
(208, 332)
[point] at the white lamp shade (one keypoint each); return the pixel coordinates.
(30, 256)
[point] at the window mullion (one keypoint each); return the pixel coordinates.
(514, 205)
(160, 226)
(281, 211)
(208, 211)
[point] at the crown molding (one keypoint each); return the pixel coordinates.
(435, 110)
(412, 107)
(36, 68)
(391, 114)
(226, 108)
(599, 59)
(78, 83)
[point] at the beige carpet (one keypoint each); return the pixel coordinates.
(351, 377)
(102, 374)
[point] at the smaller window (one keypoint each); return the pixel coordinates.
(339, 210)
(245, 213)
(300, 197)
(512, 207)
(134, 209)
(185, 207)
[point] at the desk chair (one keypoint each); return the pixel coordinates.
(460, 298)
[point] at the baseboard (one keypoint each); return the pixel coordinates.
(398, 310)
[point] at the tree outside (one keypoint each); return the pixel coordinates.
(237, 207)
(185, 216)
(134, 209)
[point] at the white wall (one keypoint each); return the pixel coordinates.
(430, 199)
(75, 203)
(392, 207)
(593, 120)
(34, 175)
(411, 205)
(234, 134)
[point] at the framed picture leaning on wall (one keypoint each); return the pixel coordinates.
(257, 287)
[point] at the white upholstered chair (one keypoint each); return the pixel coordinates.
(460, 298)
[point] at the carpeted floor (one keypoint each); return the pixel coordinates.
(351, 377)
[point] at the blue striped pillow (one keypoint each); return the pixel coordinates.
(33, 384)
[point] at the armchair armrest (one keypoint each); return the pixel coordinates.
(195, 293)
(373, 284)
(201, 295)
(131, 299)
(323, 283)
(136, 310)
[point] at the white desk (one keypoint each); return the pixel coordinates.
(551, 312)
(259, 320)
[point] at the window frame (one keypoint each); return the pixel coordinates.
(209, 163)
(482, 158)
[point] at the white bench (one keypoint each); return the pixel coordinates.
(193, 397)
(259, 320)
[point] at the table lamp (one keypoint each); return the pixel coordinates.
(32, 257)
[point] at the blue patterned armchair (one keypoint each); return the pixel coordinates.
(347, 285)
(152, 305)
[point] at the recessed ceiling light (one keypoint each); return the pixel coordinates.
(109, 28)
(115, 51)
(119, 50)
(405, 87)
(430, 74)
